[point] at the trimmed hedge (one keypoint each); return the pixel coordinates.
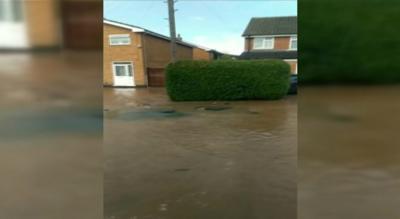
(227, 80)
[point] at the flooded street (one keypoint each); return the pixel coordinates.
(189, 160)
(349, 156)
(51, 135)
(197, 160)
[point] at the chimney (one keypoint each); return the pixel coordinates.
(179, 37)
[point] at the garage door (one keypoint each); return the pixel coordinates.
(156, 77)
(83, 24)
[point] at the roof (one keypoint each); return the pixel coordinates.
(136, 29)
(271, 26)
(269, 55)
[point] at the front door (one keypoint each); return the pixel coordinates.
(12, 25)
(123, 74)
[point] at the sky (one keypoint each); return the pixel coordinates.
(213, 24)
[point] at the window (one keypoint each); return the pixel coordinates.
(2, 11)
(258, 43)
(11, 11)
(263, 43)
(123, 69)
(120, 39)
(293, 43)
(17, 11)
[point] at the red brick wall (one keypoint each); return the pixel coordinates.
(282, 43)
(293, 65)
(201, 54)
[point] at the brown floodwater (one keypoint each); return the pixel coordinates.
(181, 160)
(51, 135)
(175, 160)
(349, 155)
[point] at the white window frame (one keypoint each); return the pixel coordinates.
(264, 43)
(275, 35)
(8, 12)
(119, 35)
(125, 63)
(290, 42)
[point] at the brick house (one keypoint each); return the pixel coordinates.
(47, 24)
(134, 56)
(272, 38)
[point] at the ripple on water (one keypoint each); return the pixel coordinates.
(145, 114)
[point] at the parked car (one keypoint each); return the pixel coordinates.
(293, 84)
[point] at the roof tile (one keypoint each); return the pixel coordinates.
(271, 26)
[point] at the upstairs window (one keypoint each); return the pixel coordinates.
(119, 39)
(293, 43)
(263, 43)
(11, 11)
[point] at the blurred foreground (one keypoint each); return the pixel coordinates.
(51, 135)
(348, 155)
(343, 42)
(51, 109)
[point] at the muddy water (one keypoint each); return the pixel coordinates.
(198, 159)
(349, 155)
(51, 135)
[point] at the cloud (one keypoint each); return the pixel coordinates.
(229, 43)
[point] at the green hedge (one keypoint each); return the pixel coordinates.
(227, 80)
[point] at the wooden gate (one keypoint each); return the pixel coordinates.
(156, 77)
(82, 24)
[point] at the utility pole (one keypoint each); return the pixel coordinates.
(171, 19)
